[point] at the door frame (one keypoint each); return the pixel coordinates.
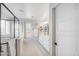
(53, 25)
(54, 37)
(53, 31)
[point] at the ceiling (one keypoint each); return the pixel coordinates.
(33, 11)
(16, 9)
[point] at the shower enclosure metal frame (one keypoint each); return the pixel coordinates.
(14, 25)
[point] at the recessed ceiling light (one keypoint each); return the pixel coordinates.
(21, 10)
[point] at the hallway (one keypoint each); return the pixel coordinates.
(39, 29)
(28, 28)
(32, 48)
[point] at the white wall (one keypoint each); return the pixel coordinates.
(66, 29)
(44, 38)
(77, 17)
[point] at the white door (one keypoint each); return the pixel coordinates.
(66, 29)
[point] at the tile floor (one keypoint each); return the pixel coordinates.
(32, 48)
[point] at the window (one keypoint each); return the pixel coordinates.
(28, 27)
(16, 30)
(21, 27)
(5, 27)
(28, 30)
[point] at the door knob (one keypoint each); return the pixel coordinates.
(55, 43)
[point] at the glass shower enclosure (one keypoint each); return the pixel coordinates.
(8, 31)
